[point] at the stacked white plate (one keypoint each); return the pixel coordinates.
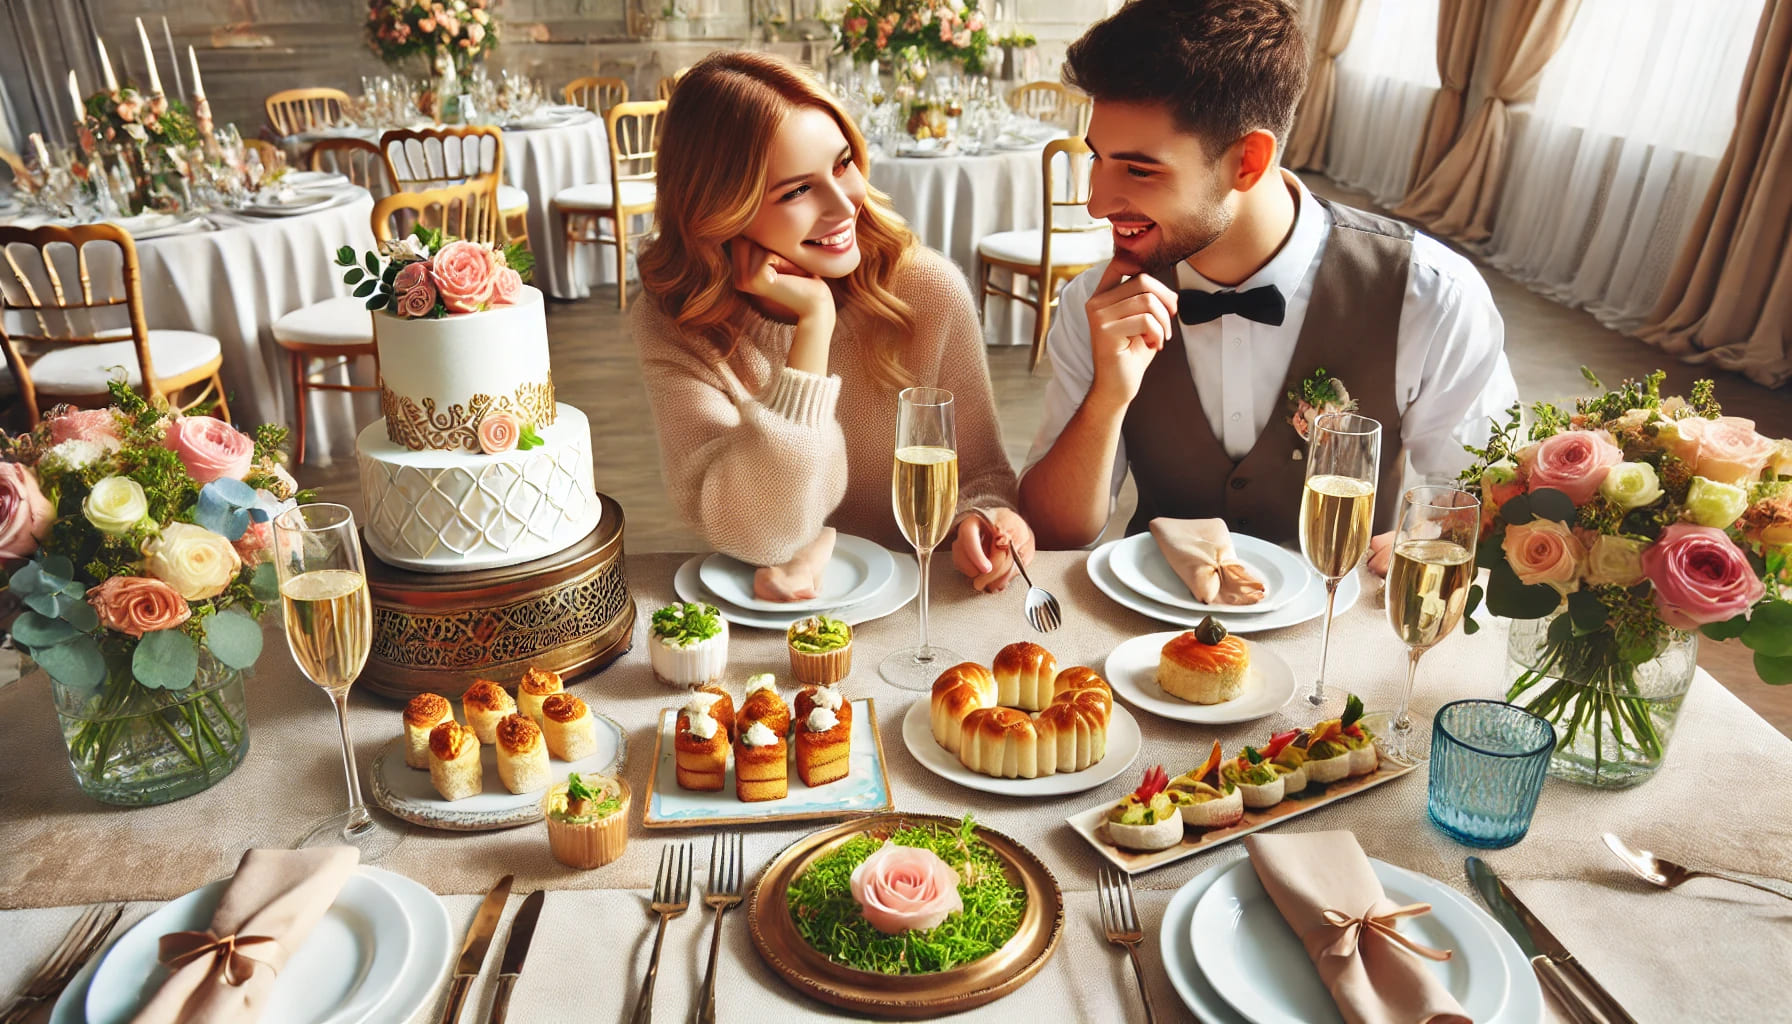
(1134, 573)
(1234, 960)
(378, 954)
(862, 581)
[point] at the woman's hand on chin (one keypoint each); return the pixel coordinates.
(987, 544)
(764, 274)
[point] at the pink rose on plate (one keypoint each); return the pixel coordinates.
(507, 287)
(1700, 576)
(499, 432)
(1574, 462)
(905, 888)
(138, 605)
(97, 425)
(1729, 450)
(210, 448)
(25, 514)
(1545, 551)
(464, 275)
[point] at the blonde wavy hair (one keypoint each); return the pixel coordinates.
(712, 176)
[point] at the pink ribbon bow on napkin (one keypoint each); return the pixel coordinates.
(178, 949)
(1200, 554)
(800, 578)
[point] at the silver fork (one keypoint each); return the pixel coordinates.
(1120, 920)
(725, 858)
(74, 951)
(1043, 612)
(671, 895)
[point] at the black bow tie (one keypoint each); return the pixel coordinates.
(1264, 305)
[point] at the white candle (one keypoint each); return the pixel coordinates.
(106, 66)
(198, 86)
(43, 152)
(155, 80)
(74, 93)
(173, 58)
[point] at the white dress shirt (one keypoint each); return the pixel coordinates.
(1451, 378)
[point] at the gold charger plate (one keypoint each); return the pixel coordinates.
(915, 997)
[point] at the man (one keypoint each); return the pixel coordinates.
(1232, 286)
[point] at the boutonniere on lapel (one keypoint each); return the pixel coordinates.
(1317, 395)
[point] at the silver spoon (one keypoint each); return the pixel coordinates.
(1668, 875)
(1043, 613)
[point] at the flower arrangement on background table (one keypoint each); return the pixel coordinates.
(914, 32)
(1621, 529)
(451, 35)
(138, 544)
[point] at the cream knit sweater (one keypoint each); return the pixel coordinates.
(760, 459)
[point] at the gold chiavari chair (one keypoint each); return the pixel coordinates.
(56, 339)
(428, 158)
(668, 83)
(467, 211)
(21, 175)
(1048, 258)
(269, 154)
(355, 159)
(634, 133)
(291, 111)
(596, 94)
(1052, 103)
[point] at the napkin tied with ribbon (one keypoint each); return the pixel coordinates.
(1326, 890)
(800, 578)
(1200, 554)
(224, 974)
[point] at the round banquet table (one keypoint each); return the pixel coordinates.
(951, 202)
(595, 933)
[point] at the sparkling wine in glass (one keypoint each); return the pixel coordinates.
(1428, 583)
(924, 491)
(329, 629)
(1337, 508)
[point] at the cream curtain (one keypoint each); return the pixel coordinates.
(1458, 37)
(1313, 118)
(1728, 299)
(1459, 196)
(1387, 78)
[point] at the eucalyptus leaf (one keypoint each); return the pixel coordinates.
(1508, 598)
(165, 660)
(59, 568)
(373, 264)
(1729, 629)
(233, 638)
(366, 288)
(265, 583)
(29, 580)
(219, 513)
(34, 630)
(1773, 671)
(352, 275)
(1517, 510)
(1770, 630)
(80, 615)
(377, 302)
(1490, 552)
(77, 664)
(1587, 612)
(1549, 503)
(1469, 625)
(48, 605)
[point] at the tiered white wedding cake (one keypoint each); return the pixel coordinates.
(442, 492)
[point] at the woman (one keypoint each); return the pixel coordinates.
(787, 307)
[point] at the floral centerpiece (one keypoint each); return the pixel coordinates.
(148, 132)
(1614, 533)
(914, 32)
(138, 544)
(450, 35)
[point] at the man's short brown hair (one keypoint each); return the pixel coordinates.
(1224, 68)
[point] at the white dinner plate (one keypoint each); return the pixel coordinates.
(408, 794)
(342, 974)
(901, 591)
(1310, 605)
(1140, 564)
(313, 180)
(1131, 670)
(424, 971)
(1524, 1000)
(1257, 964)
(856, 571)
(1124, 741)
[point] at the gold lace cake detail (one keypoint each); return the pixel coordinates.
(423, 427)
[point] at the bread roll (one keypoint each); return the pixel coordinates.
(421, 715)
(957, 692)
(484, 705)
(536, 686)
(454, 767)
(1000, 742)
(1024, 672)
(522, 755)
(1080, 677)
(568, 727)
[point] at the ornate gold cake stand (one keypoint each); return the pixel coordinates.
(437, 632)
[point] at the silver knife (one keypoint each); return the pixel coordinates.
(516, 950)
(1539, 943)
(472, 951)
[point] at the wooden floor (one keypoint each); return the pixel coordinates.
(1547, 343)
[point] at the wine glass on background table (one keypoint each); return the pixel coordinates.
(1337, 508)
(329, 628)
(924, 491)
(1428, 582)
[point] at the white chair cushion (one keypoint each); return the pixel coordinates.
(512, 199)
(1068, 247)
(597, 196)
(341, 321)
(86, 369)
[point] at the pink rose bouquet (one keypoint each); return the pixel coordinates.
(905, 888)
(97, 425)
(1700, 576)
(137, 605)
(1574, 462)
(211, 449)
(25, 514)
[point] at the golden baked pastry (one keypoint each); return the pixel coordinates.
(1024, 672)
(422, 714)
(721, 708)
(1067, 734)
(522, 755)
(700, 751)
(823, 736)
(761, 764)
(484, 705)
(957, 692)
(568, 727)
(454, 768)
(1199, 672)
(762, 703)
(537, 685)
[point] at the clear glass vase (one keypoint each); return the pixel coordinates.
(135, 746)
(1613, 718)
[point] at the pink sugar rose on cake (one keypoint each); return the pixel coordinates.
(905, 888)
(138, 605)
(210, 448)
(25, 514)
(97, 425)
(464, 275)
(499, 432)
(1700, 576)
(415, 290)
(507, 288)
(1545, 551)
(1574, 462)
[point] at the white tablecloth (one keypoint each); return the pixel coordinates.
(1706, 952)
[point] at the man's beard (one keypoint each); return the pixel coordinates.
(1189, 236)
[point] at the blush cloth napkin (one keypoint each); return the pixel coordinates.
(1326, 889)
(800, 578)
(1200, 554)
(268, 910)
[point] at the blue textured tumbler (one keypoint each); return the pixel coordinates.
(1488, 761)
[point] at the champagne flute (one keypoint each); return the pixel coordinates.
(329, 628)
(1337, 508)
(925, 494)
(1434, 564)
